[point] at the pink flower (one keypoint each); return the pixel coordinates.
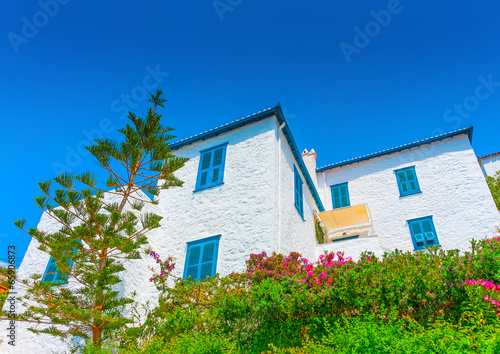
(322, 275)
(310, 274)
(318, 282)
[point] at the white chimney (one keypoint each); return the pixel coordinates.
(309, 158)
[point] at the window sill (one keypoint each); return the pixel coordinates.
(410, 194)
(209, 187)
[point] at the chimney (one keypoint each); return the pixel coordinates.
(309, 158)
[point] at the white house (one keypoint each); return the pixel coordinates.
(490, 164)
(248, 189)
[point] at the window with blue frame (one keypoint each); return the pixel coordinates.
(298, 192)
(340, 195)
(201, 258)
(407, 181)
(53, 274)
(423, 232)
(211, 169)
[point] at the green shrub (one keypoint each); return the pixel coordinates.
(402, 303)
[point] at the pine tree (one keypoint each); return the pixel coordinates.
(99, 230)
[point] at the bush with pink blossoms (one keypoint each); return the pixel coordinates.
(288, 300)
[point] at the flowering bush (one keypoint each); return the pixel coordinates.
(287, 300)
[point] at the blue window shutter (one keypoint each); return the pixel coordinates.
(407, 181)
(211, 170)
(298, 192)
(201, 258)
(206, 159)
(51, 271)
(208, 259)
(423, 232)
(340, 195)
(193, 262)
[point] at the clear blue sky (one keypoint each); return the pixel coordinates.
(349, 86)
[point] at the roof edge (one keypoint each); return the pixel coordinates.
(267, 113)
(488, 156)
(469, 130)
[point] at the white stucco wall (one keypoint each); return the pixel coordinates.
(453, 188)
(296, 234)
(491, 166)
(241, 210)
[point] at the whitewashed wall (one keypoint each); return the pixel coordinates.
(295, 234)
(453, 189)
(491, 166)
(241, 210)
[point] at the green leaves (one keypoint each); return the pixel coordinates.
(494, 185)
(20, 223)
(150, 221)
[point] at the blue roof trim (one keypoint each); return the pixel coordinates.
(433, 139)
(275, 111)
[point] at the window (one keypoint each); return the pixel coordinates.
(423, 233)
(52, 273)
(211, 170)
(299, 201)
(340, 196)
(407, 181)
(201, 258)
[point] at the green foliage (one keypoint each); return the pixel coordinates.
(99, 231)
(401, 303)
(494, 184)
(320, 233)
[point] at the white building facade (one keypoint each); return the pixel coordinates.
(490, 164)
(248, 189)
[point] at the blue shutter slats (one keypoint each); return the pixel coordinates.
(340, 195)
(201, 260)
(51, 270)
(298, 192)
(193, 261)
(423, 232)
(52, 273)
(407, 181)
(211, 170)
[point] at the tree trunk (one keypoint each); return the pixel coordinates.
(96, 336)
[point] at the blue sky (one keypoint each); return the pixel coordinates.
(353, 77)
